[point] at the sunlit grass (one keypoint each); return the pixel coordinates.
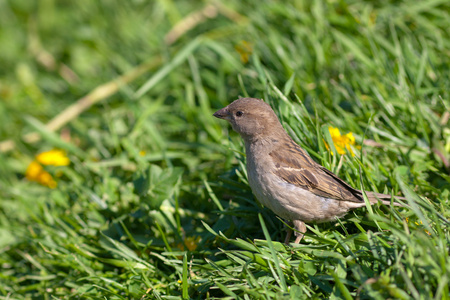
(155, 202)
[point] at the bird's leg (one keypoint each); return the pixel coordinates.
(300, 229)
(288, 236)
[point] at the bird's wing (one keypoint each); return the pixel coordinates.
(295, 166)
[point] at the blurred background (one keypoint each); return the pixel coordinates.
(115, 179)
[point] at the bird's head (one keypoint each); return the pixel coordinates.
(250, 117)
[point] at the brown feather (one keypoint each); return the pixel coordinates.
(295, 166)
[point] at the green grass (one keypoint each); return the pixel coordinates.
(155, 203)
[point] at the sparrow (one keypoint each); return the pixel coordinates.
(282, 175)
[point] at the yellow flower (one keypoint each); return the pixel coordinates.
(142, 153)
(35, 171)
(245, 49)
(53, 158)
(341, 142)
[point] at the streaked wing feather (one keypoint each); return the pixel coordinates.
(337, 187)
(295, 166)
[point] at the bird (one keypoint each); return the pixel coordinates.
(282, 175)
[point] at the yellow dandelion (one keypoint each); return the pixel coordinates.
(142, 153)
(33, 170)
(53, 158)
(46, 179)
(36, 172)
(341, 142)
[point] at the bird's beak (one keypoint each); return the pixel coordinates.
(222, 114)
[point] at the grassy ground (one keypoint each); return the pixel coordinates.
(155, 204)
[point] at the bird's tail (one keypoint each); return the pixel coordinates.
(384, 198)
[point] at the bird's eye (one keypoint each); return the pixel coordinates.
(239, 113)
